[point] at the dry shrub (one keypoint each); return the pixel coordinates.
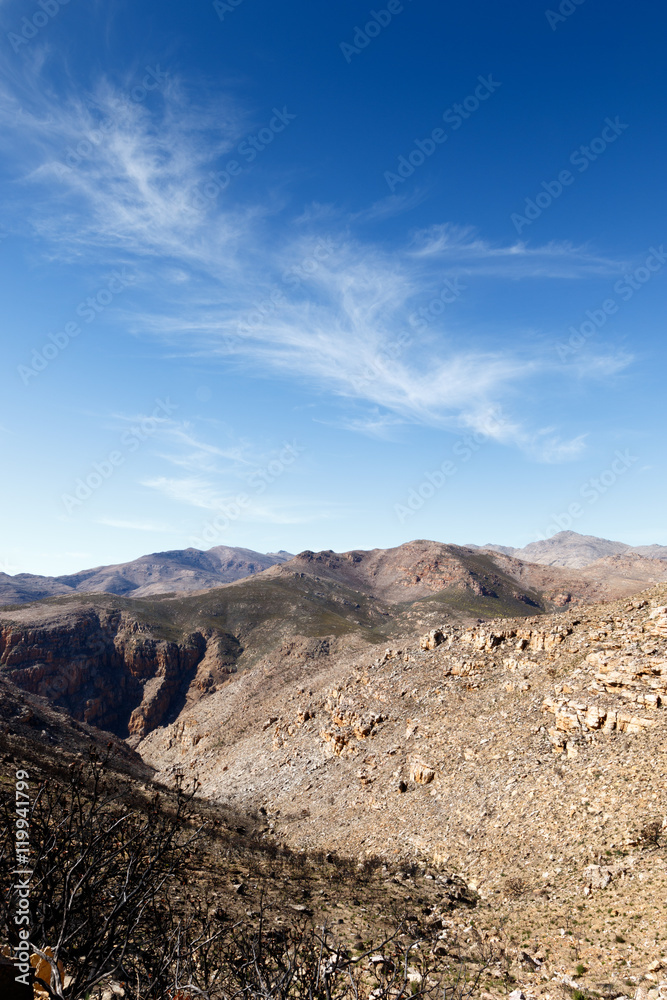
(516, 887)
(650, 833)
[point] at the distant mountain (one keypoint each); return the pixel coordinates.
(507, 550)
(570, 549)
(28, 587)
(157, 573)
(650, 551)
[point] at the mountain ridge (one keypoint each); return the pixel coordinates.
(570, 549)
(191, 570)
(403, 706)
(158, 572)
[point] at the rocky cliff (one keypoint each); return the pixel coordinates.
(130, 665)
(109, 669)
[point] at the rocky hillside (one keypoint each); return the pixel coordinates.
(35, 732)
(231, 881)
(525, 755)
(460, 707)
(463, 577)
(130, 665)
(107, 667)
(158, 573)
(521, 756)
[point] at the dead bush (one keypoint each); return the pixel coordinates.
(516, 887)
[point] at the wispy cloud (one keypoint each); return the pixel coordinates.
(190, 491)
(243, 294)
(180, 444)
(196, 455)
(133, 190)
(378, 425)
(466, 248)
(392, 205)
(548, 447)
(111, 522)
(205, 495)
(602, 365)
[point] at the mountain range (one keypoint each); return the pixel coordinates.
(157, 573)
(135, 661)
(187, 570)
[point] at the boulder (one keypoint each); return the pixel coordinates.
(598, 877)
(421, 772)
(434, 638)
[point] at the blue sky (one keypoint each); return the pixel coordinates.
(329, 275)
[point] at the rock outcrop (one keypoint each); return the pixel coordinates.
(432, 639)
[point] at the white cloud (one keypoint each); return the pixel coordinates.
(393, 204)
(203, 494)
(552, 450)
(196, 455)
(374, 425)
(236, 291)
(463, 245)
(191, 491)
(591, 365)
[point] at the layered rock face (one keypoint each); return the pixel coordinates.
(109, 670)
